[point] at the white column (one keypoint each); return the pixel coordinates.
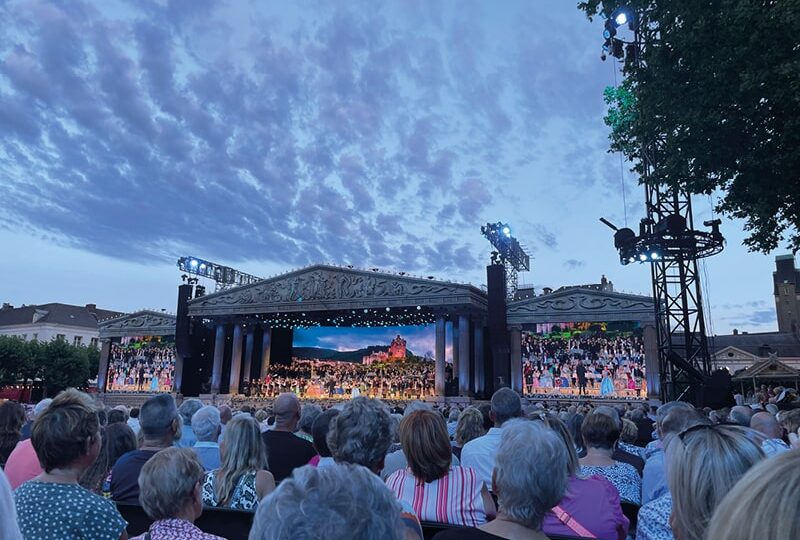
(439, 354)
(236, 359)
(516, 358)
(480, 371)
(463, 354)
(219, 356)
(266, 351)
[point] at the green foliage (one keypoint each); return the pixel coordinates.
(717, 91)
(58, 364)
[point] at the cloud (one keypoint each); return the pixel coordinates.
(573, 264)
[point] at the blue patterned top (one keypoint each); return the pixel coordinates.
(653, 521)
(623, 476)
(65, 511)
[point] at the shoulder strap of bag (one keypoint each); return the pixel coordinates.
(570, 522)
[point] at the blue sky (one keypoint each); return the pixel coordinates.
(272, 135)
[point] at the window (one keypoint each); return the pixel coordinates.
(93, 342)
(77, 340)
(61, 337)
(25, 337)
(35, 337)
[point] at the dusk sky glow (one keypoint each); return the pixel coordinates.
(273, 135)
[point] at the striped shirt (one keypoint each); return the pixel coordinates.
(455, 498)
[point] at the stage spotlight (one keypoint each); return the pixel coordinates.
(507, 231)
(621, 16)
(654, 256)
(193, 263)
(419, 308)
(642, 257)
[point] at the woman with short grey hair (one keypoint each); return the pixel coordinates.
(342, 501)
(361, 434)
(186, 411)
(308, 413)
(530, 478)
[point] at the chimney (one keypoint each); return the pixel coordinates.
(6, 305)
(91, 308)
(546, 290)
(735, 331)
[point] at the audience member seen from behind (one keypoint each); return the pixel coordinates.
(628, 437)
(469, 426)
(170, 493)
(590, 503)
(600, 434)
(242, 480)
(763, 504)
(530, 478)
(67, 441)
(618, 454)
(703, 464)
(22, 464)
(207, 427)
(187, 410)
(9, 530)
(118, 439)
(38, 409)
(159, 426)
(343, 501)
(12, 418)
(319, 432)
(285, 450)
(479, 453)
(765, 424)
(435, 490)
(361, 435)
(308, 413)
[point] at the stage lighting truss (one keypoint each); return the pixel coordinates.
(224, 276)
(508, 252)
(668, 240)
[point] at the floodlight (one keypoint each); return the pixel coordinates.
(621, 18)
(506, 231)
(642, 257)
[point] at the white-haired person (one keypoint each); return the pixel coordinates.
(529, 478)
(342, 501)
(67, 440)
(762, 504)
(242, 479)
(187, 410)
(703, 464)
(170, 492)
(207, 426)
(361, 435)
(436, 489)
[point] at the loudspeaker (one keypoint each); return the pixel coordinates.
(498, 363)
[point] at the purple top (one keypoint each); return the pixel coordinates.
(176, 529)
(594, 503)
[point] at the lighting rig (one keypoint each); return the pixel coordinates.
(362, 318)
(667, 240)
(225, 277)
(508, 252)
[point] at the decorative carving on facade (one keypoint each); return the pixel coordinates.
(318, 285)
(577, 305)
(141, 323)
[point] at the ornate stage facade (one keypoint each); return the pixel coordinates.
(227, 338)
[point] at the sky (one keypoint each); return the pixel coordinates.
(272, 135)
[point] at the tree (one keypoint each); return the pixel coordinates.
(718, 90)
(61, 365)
(15, 359)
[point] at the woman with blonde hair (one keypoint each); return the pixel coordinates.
(703, 464)
(242, 480)
(469, 426)
(763, 504)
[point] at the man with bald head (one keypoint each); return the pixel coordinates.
(285, 450)
(767, 425)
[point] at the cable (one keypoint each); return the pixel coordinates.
(621, 168)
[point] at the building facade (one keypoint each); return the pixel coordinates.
(787, 296)
(77, 325)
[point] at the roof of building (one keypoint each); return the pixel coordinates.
(785, 344)
(771, 368)
(55, 313)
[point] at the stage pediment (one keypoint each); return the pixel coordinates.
(581, 305)
(331, 288)
(141, 323)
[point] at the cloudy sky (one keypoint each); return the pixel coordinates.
(272, 135)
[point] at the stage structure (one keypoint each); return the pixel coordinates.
(252, 325)
(667, 241)
(225, 277)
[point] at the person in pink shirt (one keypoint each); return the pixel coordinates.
(22, 464)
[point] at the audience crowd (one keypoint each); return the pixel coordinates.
(360, 469)
(591, 364)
